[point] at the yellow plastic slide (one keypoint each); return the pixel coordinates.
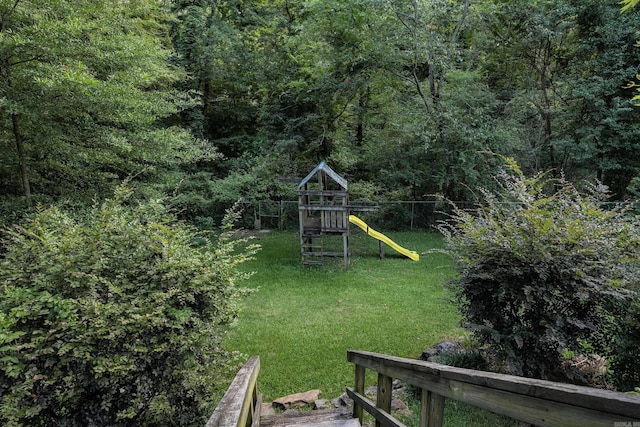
(377, 235)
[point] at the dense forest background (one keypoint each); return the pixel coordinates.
(214, 101)
(137, 119)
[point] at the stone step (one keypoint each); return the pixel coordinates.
(318, 418)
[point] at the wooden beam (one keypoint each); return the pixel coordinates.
(431, 409)
(383, 396)
(322, 192)
(323, 208)
(255, 421)
(345, 250)
(359, 388)
(539, 402)
(383, 418)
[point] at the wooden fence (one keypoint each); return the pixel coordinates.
(541, 403)
(240, 405)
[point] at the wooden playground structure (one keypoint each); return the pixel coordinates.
(324, 210)
(323, 205)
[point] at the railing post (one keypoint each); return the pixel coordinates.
(413, 210)
(385, 388)
(431, 409)
(240, 404)
(359, 388)
(256, 404)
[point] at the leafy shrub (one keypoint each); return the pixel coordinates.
(394, 217)
(625, 364)
(462, 358)
(15, 209)
(113, 319)
(540, 275)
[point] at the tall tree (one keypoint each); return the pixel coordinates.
(532, 46)
(561, 68)
(83, 86)
(606, 125)
(450, 109)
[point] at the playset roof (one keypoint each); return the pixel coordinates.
(326, 169)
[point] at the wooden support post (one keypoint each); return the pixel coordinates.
(385, 388)
(432, 409)
(345, 249)
(255, 420)
(301, 216)
(359, 388)
(413, 210)
(381, 249)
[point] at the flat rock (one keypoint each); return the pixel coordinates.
(343, 400)
(397, 405)
(444, 347)
(297, 400)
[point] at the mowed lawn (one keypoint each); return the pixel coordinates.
(301, 321)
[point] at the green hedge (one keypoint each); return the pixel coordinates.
(114, 318)
(547, 273)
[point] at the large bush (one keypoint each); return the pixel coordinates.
(113, 319)
(627, 358)
(545, 275)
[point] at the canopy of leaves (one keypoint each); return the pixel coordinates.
(405, 95)
(83, 86)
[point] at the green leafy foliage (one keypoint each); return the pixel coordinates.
(628, 4)
(83, 88)
(114, 318)
(544, 274)
(561, 67)
(625, 364)
(402, 95)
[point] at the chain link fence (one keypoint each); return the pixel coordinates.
(391, 216)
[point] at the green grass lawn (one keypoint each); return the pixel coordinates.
(301, 321)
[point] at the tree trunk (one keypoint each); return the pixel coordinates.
(363, 102)
(22, 157)
(546, 110)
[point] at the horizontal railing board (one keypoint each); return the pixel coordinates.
(323, 208)
(323, 254)
(323, 192)
(579, 403)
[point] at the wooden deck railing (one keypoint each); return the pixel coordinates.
(240, 405)
(541, 403)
